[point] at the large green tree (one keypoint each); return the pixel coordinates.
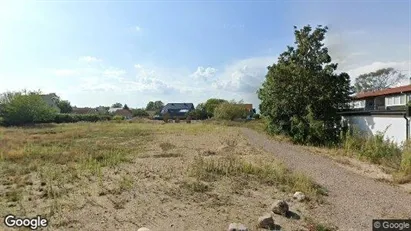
(302, 94)
(378, 80)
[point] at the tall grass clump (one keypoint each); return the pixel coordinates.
(404, 173)
(375, 148)
(267, 173)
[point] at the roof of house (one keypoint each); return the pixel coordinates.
(389, 91)
(83, 110)
(123, 112)
(177, 106)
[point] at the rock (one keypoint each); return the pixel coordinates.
(280, 207)
(237, 227)
(143, 229)
(266, 221)
(299, 196)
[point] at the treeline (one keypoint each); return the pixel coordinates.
(28, 107)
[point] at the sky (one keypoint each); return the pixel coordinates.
(96, 53)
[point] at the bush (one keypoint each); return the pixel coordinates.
(256, 116)
(119, 117)
(198, 114)
(375, 148)
(73, 118)
(140, 113)
(230, 111)
(26, 109)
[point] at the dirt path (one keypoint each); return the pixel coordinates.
(353, 200)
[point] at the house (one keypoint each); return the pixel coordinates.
(124, 112)
(379, 111)
(114, 109)
(84, 110)
(179, 110)
(51, 100)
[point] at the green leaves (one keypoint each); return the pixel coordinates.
(301, 93)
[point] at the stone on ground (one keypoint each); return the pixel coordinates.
(266, 221)
(237, 227)
(280, 207)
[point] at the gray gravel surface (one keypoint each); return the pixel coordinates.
(353, 200)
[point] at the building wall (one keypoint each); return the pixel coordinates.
(372, 124)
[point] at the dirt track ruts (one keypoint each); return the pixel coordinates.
(353, 200)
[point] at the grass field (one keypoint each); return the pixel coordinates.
(126, 175)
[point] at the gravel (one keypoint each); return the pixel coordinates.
(353, 200)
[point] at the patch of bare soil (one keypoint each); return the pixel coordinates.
(157, 190)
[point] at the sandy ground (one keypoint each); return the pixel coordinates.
(153, 190)
(355, 195)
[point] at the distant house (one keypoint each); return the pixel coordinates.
(51, 100)
(84, 110)
(177, 109)
(124, 112)
(114, 109)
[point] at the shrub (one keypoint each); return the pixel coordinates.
(73, 118)
(256, 116)
(118, 117)
(140, 113)
(230, 111)
(27, 108)
(375, 148)
(406, 159)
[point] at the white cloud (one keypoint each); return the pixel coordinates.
(89, 59)
(114, 73)
(65, 72)
(245, 75)
(204, 73)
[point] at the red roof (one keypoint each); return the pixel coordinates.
(389, 91)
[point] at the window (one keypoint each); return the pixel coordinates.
(395, 100)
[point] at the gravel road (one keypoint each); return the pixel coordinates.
(353, 200)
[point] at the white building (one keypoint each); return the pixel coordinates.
(380, 111)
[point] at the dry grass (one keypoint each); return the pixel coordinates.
(267, 173)
(145, 172)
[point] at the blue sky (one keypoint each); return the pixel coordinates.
(100, 52)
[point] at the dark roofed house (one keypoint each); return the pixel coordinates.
(177, 109)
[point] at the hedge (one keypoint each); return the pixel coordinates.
(73, 118)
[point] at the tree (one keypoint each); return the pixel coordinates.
(378, 80)
(126, 107)
(154, 106)
(24, 108)
(211, 104)
(65, 106)
(301, 94)
(117, 105)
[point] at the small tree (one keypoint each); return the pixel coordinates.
(126, 107)
(166, 117)
(211, 104)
